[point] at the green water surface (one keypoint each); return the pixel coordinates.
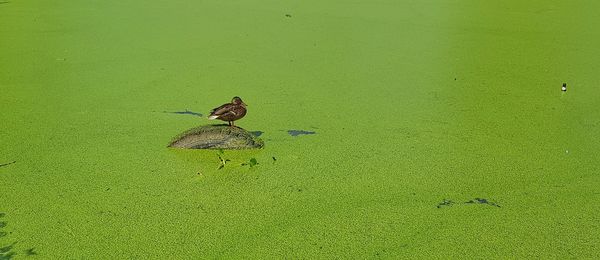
(417, 107)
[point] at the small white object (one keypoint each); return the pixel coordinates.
(212, 117)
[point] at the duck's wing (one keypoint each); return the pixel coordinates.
(221, 110)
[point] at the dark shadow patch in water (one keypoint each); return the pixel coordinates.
(7, 164)
(107, 213)
(186, 112)
(482, 201)
(288, 15)
(449, 203)
(445, 203)
(300, 132)
(30, 251)
(4, 2)
(2, 225)
(6, 252)
(257, 133)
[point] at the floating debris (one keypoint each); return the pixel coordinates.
(186, 112)
(449, 203)
(7, 164)
(222, 160)
(253, 162)
(300, 132)
(564, 87)
(288, 15)
(482, 201)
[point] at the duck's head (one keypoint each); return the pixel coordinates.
(238, 101)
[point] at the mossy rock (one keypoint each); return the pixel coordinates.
(217, 137)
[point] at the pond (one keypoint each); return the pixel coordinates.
(391, 129)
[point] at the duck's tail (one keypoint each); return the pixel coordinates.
(213, 117)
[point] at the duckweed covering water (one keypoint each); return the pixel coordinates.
(416, 103)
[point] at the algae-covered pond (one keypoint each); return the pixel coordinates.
(392, 129)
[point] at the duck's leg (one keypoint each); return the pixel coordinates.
(232, 123)
(229, 122)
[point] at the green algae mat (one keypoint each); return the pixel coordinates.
(391, 129)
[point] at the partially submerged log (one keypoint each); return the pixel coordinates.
(217, 137)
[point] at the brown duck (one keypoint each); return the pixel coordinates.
(230, 111)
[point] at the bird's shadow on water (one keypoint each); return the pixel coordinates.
(256, 133)
(186, 112)
(300, 132)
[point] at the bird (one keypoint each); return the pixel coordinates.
(564, 87)
(229, 112)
